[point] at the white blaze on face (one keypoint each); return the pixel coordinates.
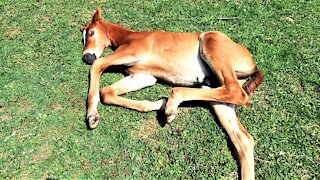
(84, 33)
(93, 49)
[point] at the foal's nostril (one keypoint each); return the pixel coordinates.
(89, 58)
(94, 57)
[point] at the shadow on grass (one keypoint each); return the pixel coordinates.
(163, 121)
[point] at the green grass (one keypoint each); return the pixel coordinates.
(44, 84)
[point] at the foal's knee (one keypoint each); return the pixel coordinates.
(238, 95)
(107, 95)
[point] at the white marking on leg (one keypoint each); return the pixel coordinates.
(96, 99)
(160, 104)
(92, 109)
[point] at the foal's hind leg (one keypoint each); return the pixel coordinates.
(224, 57)
(241, 139)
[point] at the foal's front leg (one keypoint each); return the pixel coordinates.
(93, 99)
(111, 95)
(134, 82)
(124, 55)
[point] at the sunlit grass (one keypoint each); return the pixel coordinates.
(44, 88)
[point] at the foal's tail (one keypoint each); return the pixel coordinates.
(253, 81)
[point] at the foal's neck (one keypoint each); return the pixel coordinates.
(116, 34)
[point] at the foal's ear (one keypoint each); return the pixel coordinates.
(97, 16)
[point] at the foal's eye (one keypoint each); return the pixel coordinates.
(91, 33)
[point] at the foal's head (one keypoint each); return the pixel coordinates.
(95, 38)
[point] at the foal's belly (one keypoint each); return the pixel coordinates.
(189, 72)
(182, 80)
(187, 78)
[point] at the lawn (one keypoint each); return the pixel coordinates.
(44, 85)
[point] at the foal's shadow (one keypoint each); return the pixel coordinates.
(162, 120)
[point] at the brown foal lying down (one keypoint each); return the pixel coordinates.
(185, 59)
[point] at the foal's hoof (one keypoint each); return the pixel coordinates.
(93, 121)
(171, 117)
(171, 114)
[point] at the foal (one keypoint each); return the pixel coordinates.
(185, 59)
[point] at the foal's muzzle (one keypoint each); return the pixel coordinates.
(89, 58)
